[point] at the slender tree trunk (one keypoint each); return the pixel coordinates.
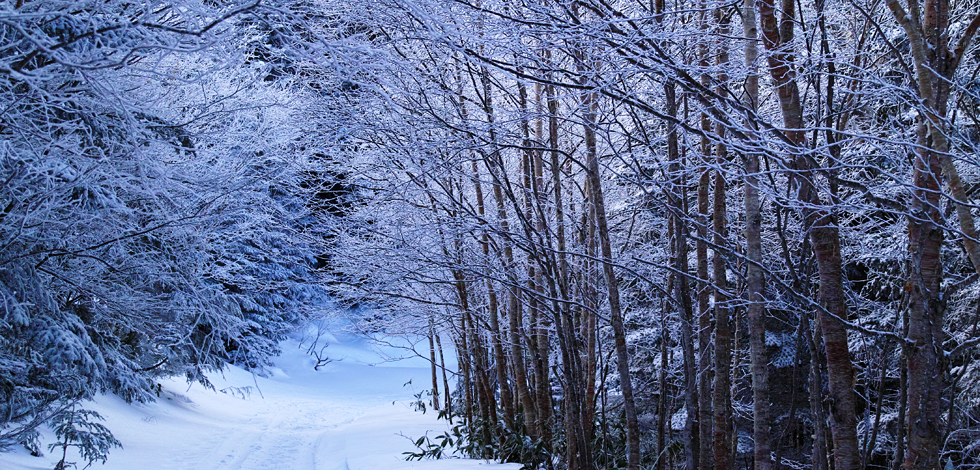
(612, 284)
(539, 371)
(494, 163)
(463, 353)
(590, 303)
(534, 294)
(445, 380)
(682, 294)
(755, 285)
(578, 451)
(493, 309)
(819, 452)
(487, 414)
(870, 441)
(756, 315)
(589, 277)
(704, 362)
(432, 361)
(899, 456)
(824, 236)
(662, 382)
(721, 402)
(542, 334)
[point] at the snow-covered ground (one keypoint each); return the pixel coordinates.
(352, 414)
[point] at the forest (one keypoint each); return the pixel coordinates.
(695, 234)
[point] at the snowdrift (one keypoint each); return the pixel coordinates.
(354, 413)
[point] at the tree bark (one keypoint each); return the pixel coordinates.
(925, 315)
(753, 252)
(935, 64)
(539, 372)
(612, 284)
(445, 380)
(681, 288)
(493, 307)
(704, 363)
(824, 235)
(432, 360)
(721, 401)
(494, 163)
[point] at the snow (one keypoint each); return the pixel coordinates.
(679, 419)
(352, 414)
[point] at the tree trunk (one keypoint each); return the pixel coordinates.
(494, 163)
(462, 352)
(818, 455)
(754, 283)
(704, 362)
(543, 331)
(682, 294)
(824, 236)
(928, 35)
(432, 361)
(612, 284)
(662, 428)
(925, 315)
(535, 265)
(445, 380)
(721, 402)
(493, 307)
(756, 315)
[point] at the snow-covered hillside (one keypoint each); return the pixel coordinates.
(353, 413)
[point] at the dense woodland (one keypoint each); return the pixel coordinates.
(656, 235)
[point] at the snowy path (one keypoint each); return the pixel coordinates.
(352, 414)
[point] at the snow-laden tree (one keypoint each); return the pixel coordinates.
(155, 217)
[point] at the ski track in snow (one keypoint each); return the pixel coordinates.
(352, 414)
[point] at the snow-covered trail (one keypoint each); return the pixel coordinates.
(352, 414)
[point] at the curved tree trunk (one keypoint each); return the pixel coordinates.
(824, 236)
(927, 27)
